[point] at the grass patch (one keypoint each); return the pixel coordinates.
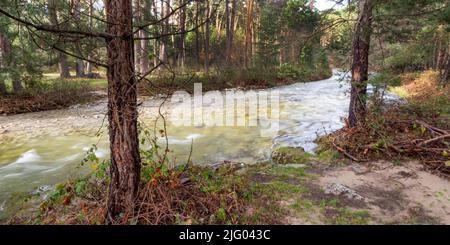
(291, 155)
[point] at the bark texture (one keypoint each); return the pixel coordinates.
(360, 65)
(63, 67)
(122, 110)
(249, 34)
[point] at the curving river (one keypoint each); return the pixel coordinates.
(41, 149)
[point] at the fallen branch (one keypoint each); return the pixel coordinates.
(346, 153)
(432, 128)
(434, 140)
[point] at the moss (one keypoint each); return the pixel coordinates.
(291, 155)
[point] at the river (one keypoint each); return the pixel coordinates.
(41, 149)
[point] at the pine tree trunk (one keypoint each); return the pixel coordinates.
(228, 31)
(80, 68)
(144, 62)
(3, 63)
(182, 44)
(360, 66)
(165, 8)
(9, 63)
(197, 32)
(64, 71)
(249, 34)
(89, 65)
(122, 111)
(155, 42)
(77, 17)
(207, 36)
(16, 83)
(232, 28)
(137, 15)
(446, 75)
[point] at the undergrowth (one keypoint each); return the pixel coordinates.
(46, 96)
(418, 129)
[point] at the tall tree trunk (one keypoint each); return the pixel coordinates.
(360, 66)
(207, 35)
(232, 29)
(182, 44)
(64, 71)
(16, 80)
(435, 53)
(137, 14)
(197, 32)
(89, 65)
(10, 63)
(228, 31)
(77, 17)
(144, 61)
(155, 41)
(3, 62)
(446, 76)
(249, 34)
(165, 9)
(122, 110)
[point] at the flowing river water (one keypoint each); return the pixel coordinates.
(41, 149)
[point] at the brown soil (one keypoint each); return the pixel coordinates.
(394, 194)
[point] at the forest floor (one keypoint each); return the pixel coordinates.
(317, 192)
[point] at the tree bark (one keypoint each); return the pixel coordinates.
(144, 62)
(64, 71)
(89, 65)
(77, 17)
(446, 75)
(165, 9)
(137, 15)
(3, 62)
(207, 35)
(16, 82)
(182, 43)
(197, 33)
(10, 64)
(155, 42)
(228, 31)
(360, 66)
(232, 28)
(122, 111)
(249, 34)
(63, 67)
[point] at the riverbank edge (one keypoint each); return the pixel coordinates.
(81, 93)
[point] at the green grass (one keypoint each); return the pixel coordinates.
(93, 83)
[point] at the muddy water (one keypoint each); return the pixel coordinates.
(41, 149)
